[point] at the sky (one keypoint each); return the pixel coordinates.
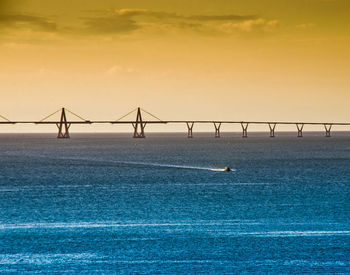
(281, 60)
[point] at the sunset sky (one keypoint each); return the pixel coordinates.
(179, 59)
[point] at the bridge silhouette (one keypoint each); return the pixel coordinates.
(63, 124)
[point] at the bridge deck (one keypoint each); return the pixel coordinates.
(139, 124)
(179, 121)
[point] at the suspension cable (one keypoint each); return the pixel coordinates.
(126, 114)
(76, 115)
(5, 118)
(50, 115)
(151, 115)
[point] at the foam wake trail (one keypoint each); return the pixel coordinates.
(146, 164)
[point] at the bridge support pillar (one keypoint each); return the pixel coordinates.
(139, 124)
(272, 127)
(300, 128)
(63, 126)
(328, 128)
(189, 129)
(217, 126)
(245, 129)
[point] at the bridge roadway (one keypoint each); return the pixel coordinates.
(217, 123)
(179, 122)
(139, 124)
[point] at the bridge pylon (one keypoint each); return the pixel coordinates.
(190, 129)
(245, 129)
(272, 127)
(63, 125)
(139, 125)
(328, 128)
(300, 127)
(217, 126)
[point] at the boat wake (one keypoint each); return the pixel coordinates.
(147, 164)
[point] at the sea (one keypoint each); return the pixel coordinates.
(108, 203)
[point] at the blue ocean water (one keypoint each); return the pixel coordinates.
(107, 203)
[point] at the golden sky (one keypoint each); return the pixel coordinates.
(179, 59)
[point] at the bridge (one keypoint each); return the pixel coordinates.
(63, 124)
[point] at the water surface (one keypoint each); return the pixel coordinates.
(110, 203)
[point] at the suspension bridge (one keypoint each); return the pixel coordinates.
(139, 124)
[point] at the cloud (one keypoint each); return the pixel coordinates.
(230, 17)
(169, 15)
(144, 12)
(130, 21)
(127, 20)
(123, 20)
(117, 69)
(26, 21)
(113, 24)
(258, 24)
